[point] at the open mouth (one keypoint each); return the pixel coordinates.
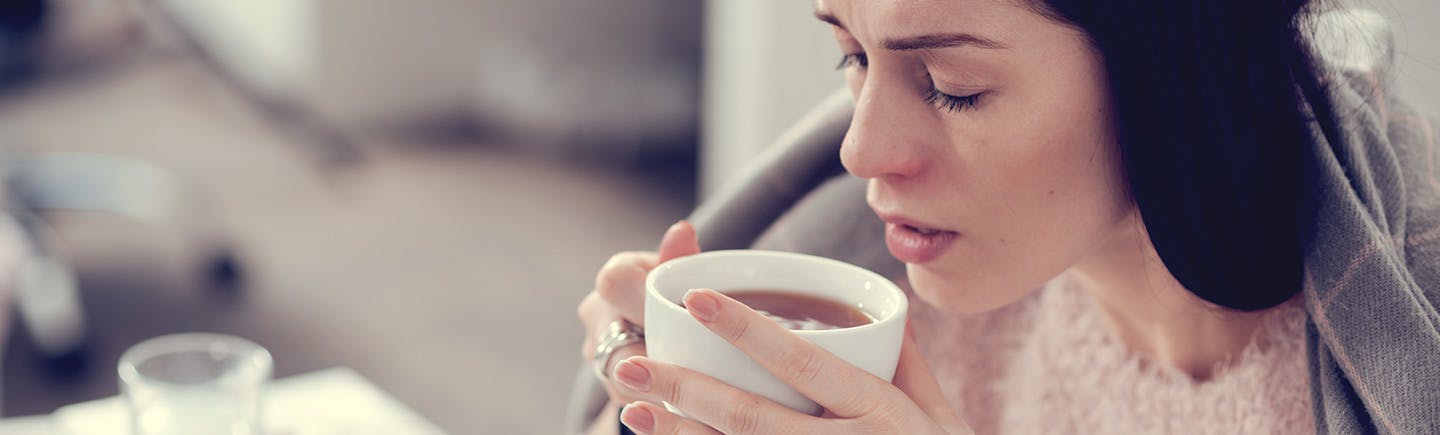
(913, 244)
(923, 231)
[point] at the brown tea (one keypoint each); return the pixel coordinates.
(799, 312)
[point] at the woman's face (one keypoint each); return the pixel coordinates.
(984, 131)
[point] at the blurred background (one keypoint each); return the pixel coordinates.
(419, 190)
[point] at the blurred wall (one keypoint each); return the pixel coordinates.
(766, 63)
(268, 43)
(1417, 47)
(554, 73)
(366, 64)
(622, 73)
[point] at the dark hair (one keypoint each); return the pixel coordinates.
(1212, 101)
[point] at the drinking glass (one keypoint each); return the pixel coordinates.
(195, 384)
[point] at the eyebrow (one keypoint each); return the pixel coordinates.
(945, 40)
(923, 42)
(830, 18)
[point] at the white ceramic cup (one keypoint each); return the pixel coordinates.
(672, 336)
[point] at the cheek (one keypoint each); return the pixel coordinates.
(1066, 166)
(1064, 184)
(1045, 190)
(1037, 221)
(1062, 166)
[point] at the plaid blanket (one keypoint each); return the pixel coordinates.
(1372, 270)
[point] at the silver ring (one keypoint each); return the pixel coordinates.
(620, 334)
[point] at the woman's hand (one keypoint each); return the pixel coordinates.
(855, 401)
(620, 294)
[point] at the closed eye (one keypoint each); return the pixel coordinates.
(853, 60)
(951, 103)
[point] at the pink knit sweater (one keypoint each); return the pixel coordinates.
(1048, 364)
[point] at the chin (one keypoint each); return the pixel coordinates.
(962, 293)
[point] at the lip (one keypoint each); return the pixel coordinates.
(906, 243)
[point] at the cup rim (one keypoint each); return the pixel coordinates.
(903, 301)
(128, 365)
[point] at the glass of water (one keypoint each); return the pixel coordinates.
(195, 384)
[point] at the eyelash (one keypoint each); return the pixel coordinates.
(853, 59)
(952, 103)
(933, 97)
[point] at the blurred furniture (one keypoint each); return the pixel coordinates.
(35, 184)
(795, 197)
(336, 400)
(20, 24)
(267, 53)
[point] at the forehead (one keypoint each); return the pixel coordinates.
(892, 17)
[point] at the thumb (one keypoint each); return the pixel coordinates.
(679, 241)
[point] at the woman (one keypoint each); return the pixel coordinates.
(1124, 216)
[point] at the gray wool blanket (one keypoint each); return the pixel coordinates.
(1372, 270)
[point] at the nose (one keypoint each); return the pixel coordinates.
(886, 134)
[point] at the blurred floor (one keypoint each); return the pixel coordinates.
(447, 273)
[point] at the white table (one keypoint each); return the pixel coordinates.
(331, 401)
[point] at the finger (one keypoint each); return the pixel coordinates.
(618, 392)
(647, 418)
(596, 315)
(679, 241)
(589, 309)
(621, 284)
(914, 377)
(842, 388)
(708, 400)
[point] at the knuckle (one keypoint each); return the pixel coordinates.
(743, 417)
(737, 331)
(614, 284)
(605, 284)
(618, 258)
(857, 402)
(615, 261)
(882, 418)
(586, 309)
(803, 365)
(673, 390)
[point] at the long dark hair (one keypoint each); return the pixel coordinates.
(1213, 101)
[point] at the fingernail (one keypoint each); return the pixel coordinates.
(702, 305)
(638, 419)
(633, 375)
